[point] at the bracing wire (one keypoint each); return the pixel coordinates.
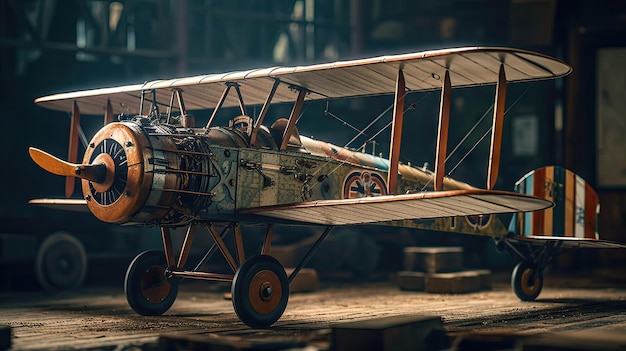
(479, 140)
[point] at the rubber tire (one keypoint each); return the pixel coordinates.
(61, 262)
(138, 283)
(242, 289)
(526, 290)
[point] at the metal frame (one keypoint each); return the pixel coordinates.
(176, 265)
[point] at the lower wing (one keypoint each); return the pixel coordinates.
(77, 205)
(402, 207)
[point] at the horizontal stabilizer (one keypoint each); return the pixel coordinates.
(569, 242)
(403, 207)
(76, 205)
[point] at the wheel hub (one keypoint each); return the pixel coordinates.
(528, 284)
(265, 292)
(154, 286)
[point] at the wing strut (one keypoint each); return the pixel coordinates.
(496, 130)
(266, 106)
(442, 133)
(396, 133)
(217, 107)
(291, 124)
(108, 113)
(242, 105)
(72, 153)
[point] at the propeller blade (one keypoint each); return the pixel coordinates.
(54, 165)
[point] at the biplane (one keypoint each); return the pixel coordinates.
(150, 164)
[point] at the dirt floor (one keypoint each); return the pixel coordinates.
(98, 317)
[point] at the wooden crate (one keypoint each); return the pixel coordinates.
(433, 259)
(457, 282)
(398, 333)
(413, 281)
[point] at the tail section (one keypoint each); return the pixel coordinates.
(576, 207)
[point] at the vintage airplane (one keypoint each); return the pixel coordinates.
(151, 165)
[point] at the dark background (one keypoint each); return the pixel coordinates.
(58, 46)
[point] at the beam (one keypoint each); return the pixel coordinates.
(242, 105)
(221, 245)
(496, 130)
(217, 107)
(267, 243)
(264, 109)
(396, 133)
(293, 117)
(241, 256)
(442, 133)
(108, 113)
(186, 249)
(167, 246)
(72, 152)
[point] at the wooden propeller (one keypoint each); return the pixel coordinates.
(94, 172)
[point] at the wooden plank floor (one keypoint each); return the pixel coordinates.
(97, 317)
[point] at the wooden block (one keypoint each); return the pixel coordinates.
(457, 282)
(396, 333)
(5, 337)
(306, 280)
(575, 341)
(433, 259)
(214, 342)
(485, 278)
(413, 281)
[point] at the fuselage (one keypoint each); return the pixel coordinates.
(158, 174)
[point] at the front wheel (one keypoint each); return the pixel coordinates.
(148, 292)
(526, 281)
(260, 291)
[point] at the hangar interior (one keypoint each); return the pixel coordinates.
(578, 122)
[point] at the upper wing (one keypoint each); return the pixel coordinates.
(403, 207)
(472, 66)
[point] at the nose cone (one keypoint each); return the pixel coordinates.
(121, 190)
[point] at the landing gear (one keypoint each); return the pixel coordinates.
(527, 276)
(148, 292)
(259, 286)
(526, 281)
(260, 291)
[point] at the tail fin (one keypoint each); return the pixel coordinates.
(576, 207)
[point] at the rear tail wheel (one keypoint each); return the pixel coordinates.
(526, 281)
(260, 291)
(148, 292)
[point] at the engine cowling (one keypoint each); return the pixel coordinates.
(155, 174)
